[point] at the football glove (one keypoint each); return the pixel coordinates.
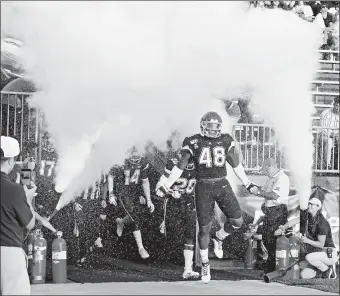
(162, 190)
(112, 199)
(253, 188)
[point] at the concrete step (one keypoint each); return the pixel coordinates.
(226, 264)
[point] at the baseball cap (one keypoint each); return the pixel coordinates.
(9, 147)
(315, 201)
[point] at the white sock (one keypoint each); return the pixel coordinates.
(221, 234)
(204, 255)
(138, 237)
(188, 256)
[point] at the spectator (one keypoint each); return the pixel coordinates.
(304, 11)
(315, 5)
(321, 251)
(330, 135)
(276, 4)
(16, 214)
(275, 192)
(324, 19)
(287, 5)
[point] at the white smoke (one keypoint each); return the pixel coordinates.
(146, 68)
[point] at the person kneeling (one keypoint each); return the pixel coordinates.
(322, 254)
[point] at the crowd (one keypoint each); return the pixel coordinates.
(324, 13)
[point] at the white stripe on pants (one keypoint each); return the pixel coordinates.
(14, 276)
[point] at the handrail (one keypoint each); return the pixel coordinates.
(16, 93)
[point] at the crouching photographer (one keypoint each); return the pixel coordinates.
(322, 254)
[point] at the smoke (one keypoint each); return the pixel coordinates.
(138, 70)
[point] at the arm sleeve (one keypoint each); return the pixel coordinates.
(145, 172)
(188, 147)
(232, 156)
(21, 207)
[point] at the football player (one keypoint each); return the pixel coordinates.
(183, 187)
(209, 150)
(134, 183)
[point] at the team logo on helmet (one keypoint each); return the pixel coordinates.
(211, 125)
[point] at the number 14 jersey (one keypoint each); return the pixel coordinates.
(210, 155)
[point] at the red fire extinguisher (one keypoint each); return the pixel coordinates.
(282, 250)
(59, 260)
(39, 259)
(294, 253)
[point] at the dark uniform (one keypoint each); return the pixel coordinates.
(129, 182)
(209, 156)
(182, 208)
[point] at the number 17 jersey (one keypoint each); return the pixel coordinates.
(210, 155)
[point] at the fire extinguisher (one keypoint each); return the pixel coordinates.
(282, 250)
(30, 242)
(39, 259)
(251, 252)
(59, 260)
(294, 253)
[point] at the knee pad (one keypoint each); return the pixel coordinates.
(236, 223)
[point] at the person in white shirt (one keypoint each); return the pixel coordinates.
(329, 119)
(304, 11)
(275, 192)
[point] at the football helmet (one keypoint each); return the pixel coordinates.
(211, 125)
(134, 156)
(190, 165)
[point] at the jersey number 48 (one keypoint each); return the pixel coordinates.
(216, 158)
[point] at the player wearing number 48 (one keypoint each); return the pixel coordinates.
(131, 184)
(209, 150)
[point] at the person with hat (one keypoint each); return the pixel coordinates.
(16, 214)
(322, 253)
(275, 193)
(329, 139)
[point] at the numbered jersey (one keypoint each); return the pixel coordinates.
(186, 183)
(134, 173)
(210, 155)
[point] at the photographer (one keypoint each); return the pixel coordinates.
(275, 192)
(16, 214)
(322, 253)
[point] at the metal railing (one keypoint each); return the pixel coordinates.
(20, 120)
(256, 142)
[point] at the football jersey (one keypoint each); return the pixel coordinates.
(129, 176)
(186, 183)
(210, 155)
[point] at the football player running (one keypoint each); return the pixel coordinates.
(183, 188)
(133, 178)
(209, 150)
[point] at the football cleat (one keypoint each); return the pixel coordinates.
(190, 274)
(143, 253)
(205, 272)
(218, 248)
(120, 226)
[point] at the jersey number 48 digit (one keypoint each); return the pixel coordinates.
(216, 158)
